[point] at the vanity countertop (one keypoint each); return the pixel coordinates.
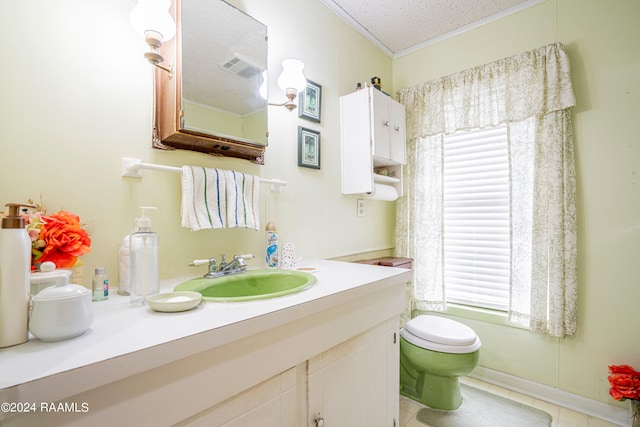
(125, 340)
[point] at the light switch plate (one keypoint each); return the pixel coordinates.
(360, 208)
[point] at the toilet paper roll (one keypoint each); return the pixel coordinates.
(383, 192)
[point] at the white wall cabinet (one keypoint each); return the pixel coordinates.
(373, 137)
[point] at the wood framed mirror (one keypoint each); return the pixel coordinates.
(210, 102)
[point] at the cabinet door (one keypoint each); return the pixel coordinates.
(380, 123)
(274, 402)
(397, 132)
(360, 380)
(356, 143)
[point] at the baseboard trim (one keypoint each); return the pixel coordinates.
(594, 408)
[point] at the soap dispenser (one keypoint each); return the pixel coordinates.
(144, 265)
(15, 269)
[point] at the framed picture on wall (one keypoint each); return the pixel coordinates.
(308, 148)
(310, 102)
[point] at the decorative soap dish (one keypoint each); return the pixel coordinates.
(174, 301)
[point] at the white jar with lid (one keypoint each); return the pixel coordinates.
(48, 276)
(61, 312)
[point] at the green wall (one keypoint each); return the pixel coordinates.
(210, 120)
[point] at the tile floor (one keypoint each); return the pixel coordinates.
(562, 417)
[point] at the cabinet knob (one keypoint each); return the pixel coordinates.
(397, 128)
(319, 422)
(386, 123)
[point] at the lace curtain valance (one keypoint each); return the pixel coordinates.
(512, 89)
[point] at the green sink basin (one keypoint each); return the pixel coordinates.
(252, 285)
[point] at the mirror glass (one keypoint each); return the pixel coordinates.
(224, 56)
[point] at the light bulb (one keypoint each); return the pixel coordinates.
(153, 15)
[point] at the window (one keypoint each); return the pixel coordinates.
(476, 236)
(526, 186)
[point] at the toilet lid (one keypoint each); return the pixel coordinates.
(441, 330)
(442, 348)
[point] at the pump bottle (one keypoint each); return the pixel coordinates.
(15, 268)
(144, 265)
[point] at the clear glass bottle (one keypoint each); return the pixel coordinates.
(100, 285)
(144, 266)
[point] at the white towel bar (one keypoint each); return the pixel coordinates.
(133, 168)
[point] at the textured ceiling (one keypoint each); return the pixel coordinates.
(223, 32)
(399, 26)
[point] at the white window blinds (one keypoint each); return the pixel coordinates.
(476, 218)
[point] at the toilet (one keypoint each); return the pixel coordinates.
(434, 352)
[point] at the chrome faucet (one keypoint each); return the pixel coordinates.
(237, 266)
(238, 263)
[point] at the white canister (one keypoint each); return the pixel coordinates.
(61, 312)
(288, 256)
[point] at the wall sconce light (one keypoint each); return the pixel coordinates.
(291, 81)
(152, 20)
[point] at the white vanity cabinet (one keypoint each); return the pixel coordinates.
(354, 384)
(330, 352)
(372, 137)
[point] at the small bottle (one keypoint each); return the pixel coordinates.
(272, 245)
(144, 269)
(100, 285)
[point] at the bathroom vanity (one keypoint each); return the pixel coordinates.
(329, 352)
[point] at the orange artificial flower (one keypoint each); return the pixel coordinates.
(625, 382)
(65, 239)
(623, 369)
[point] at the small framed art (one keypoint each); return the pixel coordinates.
(308, 148)
(310, 102)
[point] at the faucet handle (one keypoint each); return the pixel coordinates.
(245, 256)
(213, 266)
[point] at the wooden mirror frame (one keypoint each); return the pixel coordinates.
(169, 132)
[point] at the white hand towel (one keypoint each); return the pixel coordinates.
(203, 198)
(242, 200)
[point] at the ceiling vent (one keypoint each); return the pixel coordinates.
(241, 66)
